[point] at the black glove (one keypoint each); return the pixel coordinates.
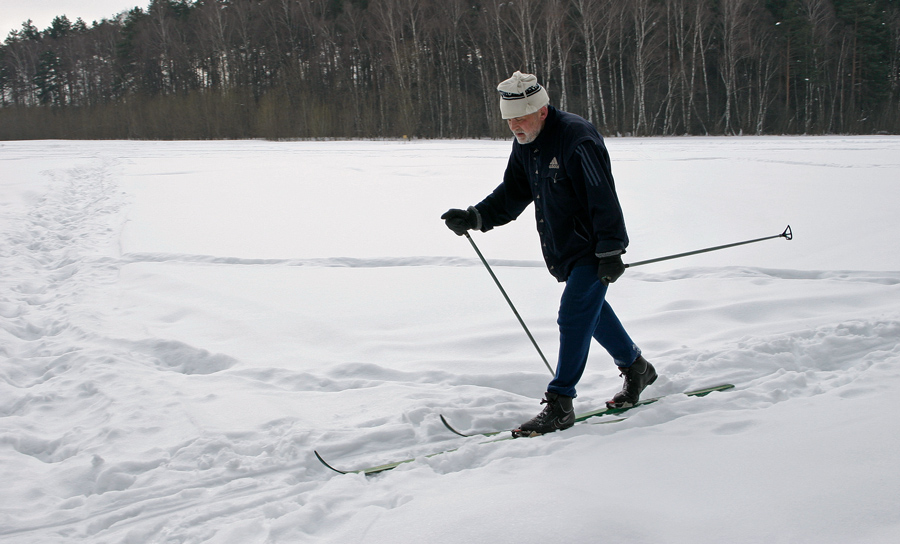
(459, 221)
(610, 269)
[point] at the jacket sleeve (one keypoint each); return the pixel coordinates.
(509, 199)
(593, 181)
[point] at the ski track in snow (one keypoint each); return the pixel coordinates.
(113, 461)
(332, 262)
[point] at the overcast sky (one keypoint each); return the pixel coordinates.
(15, 12)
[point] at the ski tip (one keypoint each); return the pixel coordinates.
(451, 429)
(319, 457)
(365, 471)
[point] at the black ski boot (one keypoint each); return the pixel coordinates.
(557, 415)
(637, 377)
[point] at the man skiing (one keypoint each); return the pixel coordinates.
(560, 163)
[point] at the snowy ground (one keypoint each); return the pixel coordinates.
(183, 323)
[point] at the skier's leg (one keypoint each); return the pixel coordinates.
(579, 315)
(636, 370)
(610, 334)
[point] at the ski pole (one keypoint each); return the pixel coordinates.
(508, 301)
(787, 235)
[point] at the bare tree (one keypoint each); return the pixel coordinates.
(558, 44)
(362, 68)
(646, 45)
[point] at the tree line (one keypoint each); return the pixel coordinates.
(190, 69)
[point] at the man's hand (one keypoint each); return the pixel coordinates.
(610, 269)
(459, 221)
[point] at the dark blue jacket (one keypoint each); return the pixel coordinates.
(566, 173)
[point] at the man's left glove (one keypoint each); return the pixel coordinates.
(610, 269)
(459, 221)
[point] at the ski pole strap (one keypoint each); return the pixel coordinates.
(787, 235)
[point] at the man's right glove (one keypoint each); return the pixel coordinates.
(610, 269)
(459, 221)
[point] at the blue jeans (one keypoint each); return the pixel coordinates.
(585, 314)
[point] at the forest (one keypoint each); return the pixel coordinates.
(285, 69)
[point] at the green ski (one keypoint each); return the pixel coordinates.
(605, 410)
(493, 434)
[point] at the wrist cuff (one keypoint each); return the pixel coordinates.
(478, 222)
(610, 254)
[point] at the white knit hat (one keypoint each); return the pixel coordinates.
(521, 95)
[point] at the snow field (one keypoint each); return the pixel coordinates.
(183, 323)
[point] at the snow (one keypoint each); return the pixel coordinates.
(183, 323)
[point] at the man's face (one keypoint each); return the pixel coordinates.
(527, 127)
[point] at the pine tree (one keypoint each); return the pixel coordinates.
(47, 78)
